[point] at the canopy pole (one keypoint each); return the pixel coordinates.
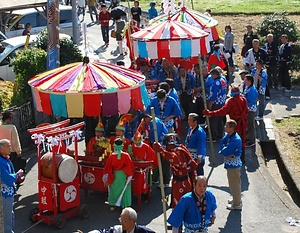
(162, 190)
(129, 34)
(205, 107)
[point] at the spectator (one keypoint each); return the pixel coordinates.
(178, 155)
(231, 148)
(208, 12)
(260, 81)
(136, 13)
(195, 142)
(8, 189)
(92, 4)
(250, 94)
(285, 59)
(27, 29)
(228, 44)
(9, 131)
(161, 12)
(195, 210)
(120, 24)
(248, 38)
(272, 52)
(81, 9)
(253, 54)
(128, 224)
(114, 4)
(104, 17)
(152, 11)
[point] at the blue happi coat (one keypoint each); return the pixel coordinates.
(187, 213)
(195, 142)
(8, 177)
(171, 108)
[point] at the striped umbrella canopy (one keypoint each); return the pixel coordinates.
(90, 89)
(169, 39)
(195, 19)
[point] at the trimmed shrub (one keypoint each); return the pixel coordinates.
(27, 64)
(278, 24)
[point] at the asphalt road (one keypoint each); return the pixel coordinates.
(265, 206)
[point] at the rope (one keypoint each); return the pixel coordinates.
(33, 226)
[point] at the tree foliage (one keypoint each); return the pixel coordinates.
(278, 24)
(27, 64)
(69, 52)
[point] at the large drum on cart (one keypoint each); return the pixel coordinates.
(67, 167)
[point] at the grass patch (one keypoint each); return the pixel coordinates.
(237, 6)
(289, 132)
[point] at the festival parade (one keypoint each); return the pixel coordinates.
(158, 129)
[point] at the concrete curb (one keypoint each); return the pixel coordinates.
(292, 178)
(274, 186)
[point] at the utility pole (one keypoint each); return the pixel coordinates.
(75, 24)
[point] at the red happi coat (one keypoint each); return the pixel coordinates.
(113, 163)
(237, 109)
(181, 163)
(145, 153)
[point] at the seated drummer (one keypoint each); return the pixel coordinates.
(120, 133)
(142, 151)
(98, 145)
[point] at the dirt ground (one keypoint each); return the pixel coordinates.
(238, 24)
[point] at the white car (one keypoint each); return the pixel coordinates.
(9, 49)
(17, 20)
(2, 37)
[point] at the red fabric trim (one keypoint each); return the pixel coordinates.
(46, 103)
(136, 99)
(203, 49)
(92, 105)
(163, 49)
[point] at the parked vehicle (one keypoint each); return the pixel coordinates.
(37, 18)
(9, 49)
(2, 37)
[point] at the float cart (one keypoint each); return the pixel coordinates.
(58, 200)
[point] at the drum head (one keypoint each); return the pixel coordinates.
(67, 169)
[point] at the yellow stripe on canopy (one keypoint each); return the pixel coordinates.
(75, 105)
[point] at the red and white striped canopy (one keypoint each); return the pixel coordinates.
(169, 30)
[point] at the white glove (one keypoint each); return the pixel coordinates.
(105, 178)
(129, 178)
